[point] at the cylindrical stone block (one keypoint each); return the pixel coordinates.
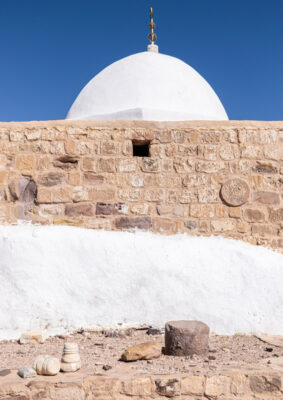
(186, 338)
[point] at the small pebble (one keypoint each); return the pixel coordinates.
(106, 367)
(269, 349)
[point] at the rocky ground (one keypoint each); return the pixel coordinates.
(100, 352)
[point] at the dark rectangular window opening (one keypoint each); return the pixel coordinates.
(141, 148)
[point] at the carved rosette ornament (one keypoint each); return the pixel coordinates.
(235, 192)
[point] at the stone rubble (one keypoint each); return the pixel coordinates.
(142, 351)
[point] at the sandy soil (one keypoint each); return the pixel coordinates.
(102, 349)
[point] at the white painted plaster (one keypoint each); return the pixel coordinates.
(65, 278)
(148, 86)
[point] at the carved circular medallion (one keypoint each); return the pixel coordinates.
(235, 192)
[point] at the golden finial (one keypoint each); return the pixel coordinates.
(151, 36)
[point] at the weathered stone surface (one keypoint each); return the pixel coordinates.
(254, 215)
(32, 337)
(193, 385)
(235, 192)
(5, 372)
(261, 384)
(225, 225)
(142, 351)
(26, 372)
(265, 168)
(23, 189)
(169, 387)
(76, 210)
(66, 162)
(267, 197)
(137, 387)
(217, 386)
(91, 178)
(186, 338)
(150, 164)
(51, 179)
(111, 209)
(276, 214)
(131, 223)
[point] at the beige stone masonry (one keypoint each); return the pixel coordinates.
(227, 385)
(201, 177)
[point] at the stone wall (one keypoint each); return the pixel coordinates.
(203, 178)
(237, 385)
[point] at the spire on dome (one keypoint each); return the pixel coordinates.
(152, 35)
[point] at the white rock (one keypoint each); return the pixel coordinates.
(33, 337)
(26, 372)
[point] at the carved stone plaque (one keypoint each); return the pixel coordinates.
(235, 192)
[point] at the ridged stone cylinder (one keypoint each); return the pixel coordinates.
(186, 338)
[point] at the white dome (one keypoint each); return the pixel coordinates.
(148, 86)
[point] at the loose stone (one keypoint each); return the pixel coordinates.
(26, 372)
(186, 338)
(142, 351)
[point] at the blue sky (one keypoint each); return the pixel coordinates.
(50, 49)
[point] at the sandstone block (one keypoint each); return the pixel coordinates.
(251, 151)
(191, 225)
(102, 194)
(227, 152)
(235, 212)
(254, 215)
(108, 147)
(264, 230)
(51, 179)
(169, 387)
(142, 351)
(183, 164)
(16, 136)
(106, 165)
(221, 211)
(32, 337)
(208, 194)
(266, 167)
(66, 162)
(90, 178)
(276, 215)
(111, 209)
(210, 167)
(61, 194)
(132, 223)
(193, 385)
(187, 196)
(129, 194)
(140, 209)
(127, 165)
(137, 387)
(164, 136)
(185, 338)
(154, 195)
(235, 192)
(261, 384)
(251, 136)
(211, 137)
(25, 162)
(217, 386)
(79, 194)
(224, 225)
(81, 209)
(137, 180)
(88, 164)
(266, 197)
(178, 136)
(171, 211)
(43, 195)
(202, 210)
(150, 164)
(164, 225)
